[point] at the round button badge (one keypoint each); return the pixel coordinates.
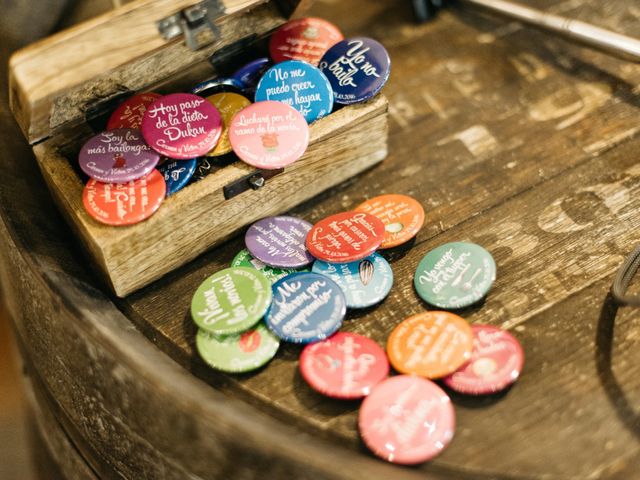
(177, 173)
(117, 156)
(305, 39)
(455, 275)
(430, 344)
(300, 85)
(406, 420)
(181, 126)
(496, 362)
(231, 300)
(357, 69)
(364, 282)
(124, 203)
(130, 112)
(306, 308)
(238, 352)
(345, 366)
(245, 259)
(279, 241)
(402, 216)
(228, 104)
(269, 135)
(345, 237)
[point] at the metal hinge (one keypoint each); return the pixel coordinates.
(196, 23)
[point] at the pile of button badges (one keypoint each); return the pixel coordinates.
(155, 145)
(319, 271)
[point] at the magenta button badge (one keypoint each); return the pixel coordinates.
(117, 156)
(496, 362)
(269, 135)
(279, 241)
(406, 419)
(182, 126)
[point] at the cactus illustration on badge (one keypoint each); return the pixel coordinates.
(249, 341)
(119, 161)
(366, 271)
(270, 142)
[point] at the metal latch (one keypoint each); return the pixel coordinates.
(196, 23)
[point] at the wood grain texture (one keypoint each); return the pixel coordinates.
(198, 217)
(53, 81)
(509, 138)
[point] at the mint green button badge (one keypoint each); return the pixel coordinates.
(245, 259)
(231, 300)
(238, 352)
(455, 275)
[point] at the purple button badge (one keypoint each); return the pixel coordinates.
(357, 69)
(182, 126)
(117, 156)
(279, 241)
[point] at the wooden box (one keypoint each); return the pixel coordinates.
(60, 85)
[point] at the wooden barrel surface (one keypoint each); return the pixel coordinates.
(510, 139)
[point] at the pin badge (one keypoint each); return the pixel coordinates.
(430, 344)
(124, 203)
(300, 85)
(357, 69)
(117, 156)
(364, 282)
(279, 241)
(181, 126)
(231, 300)
(455, 275)
(306, 308)
(269, 135)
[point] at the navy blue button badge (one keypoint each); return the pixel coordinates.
(364, 282)
(306, 308)
(249, 74)
(177, 173)
(357, 69)
(300, 85)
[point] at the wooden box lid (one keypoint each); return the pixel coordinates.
(56, 82)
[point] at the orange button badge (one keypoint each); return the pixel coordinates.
(430, 344)
(402, 216)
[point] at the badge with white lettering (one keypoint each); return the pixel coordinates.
(124, 203)
(407, 420)
(130, 112)
(306, 308)
(299, 85)
(305, 39)
(231, 300)
(117, 156)
(357, 69)
(430, 344)
(496, 362)
(279, 241)
(228, 104)
(177, 173)
(238, 352)
(455, 275)
(245, 259)
(269, 135)
(364, 282)
(345, 237)
(181, 126)
(402, 217)
(345, 365)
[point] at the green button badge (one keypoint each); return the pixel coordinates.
(245, 259)
(231, 301)
(240, 352)
(455, 275)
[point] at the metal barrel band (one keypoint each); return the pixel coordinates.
(623, 278)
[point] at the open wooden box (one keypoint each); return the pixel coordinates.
(60, 85)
